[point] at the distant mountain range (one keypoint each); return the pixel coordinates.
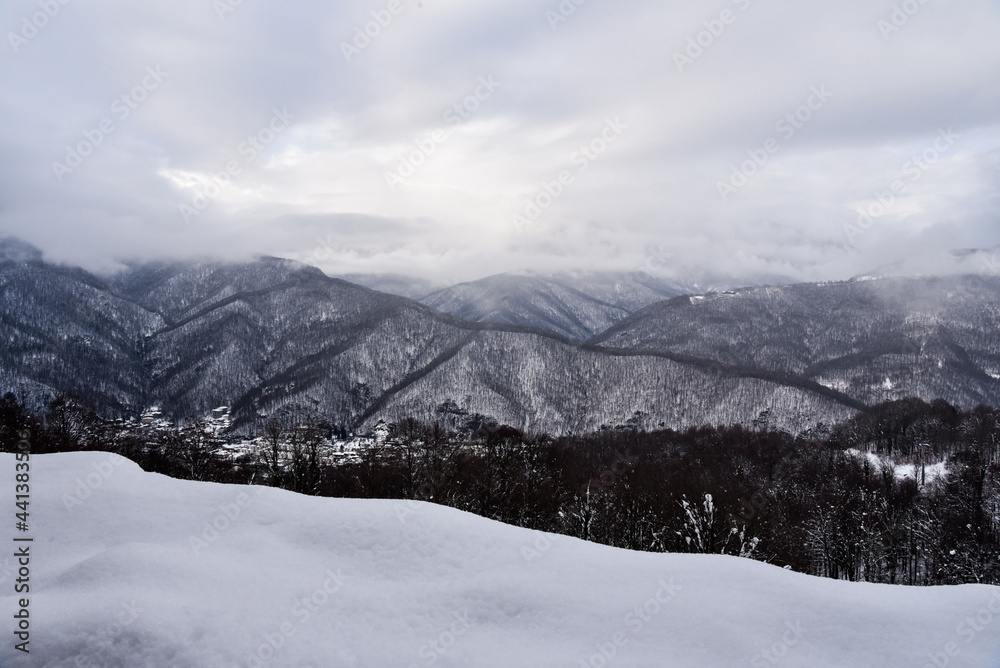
(873, 340)
(275, 337)
(575, 306)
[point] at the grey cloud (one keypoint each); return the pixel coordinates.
(321, 184)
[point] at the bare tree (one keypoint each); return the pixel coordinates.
(273, 433)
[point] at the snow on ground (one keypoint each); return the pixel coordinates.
(931, 472)
(128, 571)
(904, 470)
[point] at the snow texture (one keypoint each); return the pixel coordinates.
(127, 571)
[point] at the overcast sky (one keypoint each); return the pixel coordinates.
(121, 119)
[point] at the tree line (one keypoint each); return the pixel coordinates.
(907, 492)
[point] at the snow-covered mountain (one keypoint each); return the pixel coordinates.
(530, 302)
(274, 335)
(63, 329)
(577, 307)
(394, 284)
(135, 569)
(875, 339)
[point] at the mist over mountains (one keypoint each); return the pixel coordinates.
(577, 307)
(275, 337)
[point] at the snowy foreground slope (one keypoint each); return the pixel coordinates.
(126, 571)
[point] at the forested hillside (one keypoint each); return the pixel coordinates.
(277, 337)
(904, 493)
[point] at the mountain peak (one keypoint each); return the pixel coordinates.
(13, 249)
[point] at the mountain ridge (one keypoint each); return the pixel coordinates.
(276, 337)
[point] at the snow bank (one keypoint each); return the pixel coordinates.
(128, 570)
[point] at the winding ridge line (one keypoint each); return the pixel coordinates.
(411, 378)
(779, 378)
(306, 276)
(738, 371)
